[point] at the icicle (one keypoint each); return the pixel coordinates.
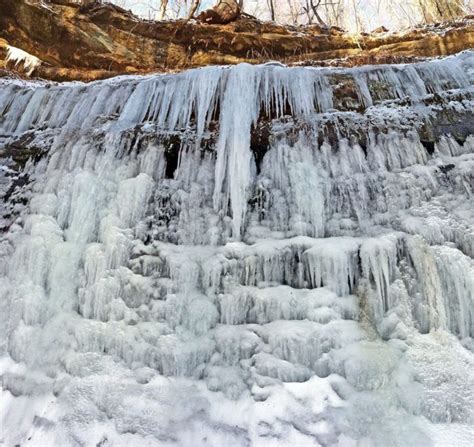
(456, 276)
(378, 262)
(239, 110)
(19, 56)
(428, 308)
(333, 263)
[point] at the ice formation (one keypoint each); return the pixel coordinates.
(238, 256)
(20, 57)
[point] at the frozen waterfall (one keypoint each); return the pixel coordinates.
(248, 255)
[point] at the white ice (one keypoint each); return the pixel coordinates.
(21, 57)
(162, 285)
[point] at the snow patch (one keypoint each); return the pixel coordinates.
(21, 57)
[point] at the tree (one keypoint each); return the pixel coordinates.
(271, 8)
(433, 10)
(293, 15)
(313, 6)
(194, 7)
(334, 13)
(324, 12)
(163, 7)
(353, 15)
(358, 21)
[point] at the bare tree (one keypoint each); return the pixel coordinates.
(163, 8)
(271, 8)
(293, 12)
(315, 5)
(357, 18)
(353, 15)
(194, 7)
(314, 10)
(433, 10)
(334, 12)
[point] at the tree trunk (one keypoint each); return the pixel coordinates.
(271, 7)
(434, 10)
(315, 7)
(163, 7)
(194, 7)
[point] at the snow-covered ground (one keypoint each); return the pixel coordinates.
(320, 293)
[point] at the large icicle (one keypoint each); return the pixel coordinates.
(19, 56)
(234, 165)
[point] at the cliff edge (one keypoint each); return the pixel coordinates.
(62, 41)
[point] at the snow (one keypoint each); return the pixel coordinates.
(21, 57)
(160, 288)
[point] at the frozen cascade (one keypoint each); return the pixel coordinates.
(249, 255)
(234, 159)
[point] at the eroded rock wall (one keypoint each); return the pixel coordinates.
(103, 41)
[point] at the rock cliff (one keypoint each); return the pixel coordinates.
(74, 43)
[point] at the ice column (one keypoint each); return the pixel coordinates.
(234, 164)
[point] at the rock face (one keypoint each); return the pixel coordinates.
(104, 40)
(225, 11)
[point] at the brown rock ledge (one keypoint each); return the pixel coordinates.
(97, 42)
